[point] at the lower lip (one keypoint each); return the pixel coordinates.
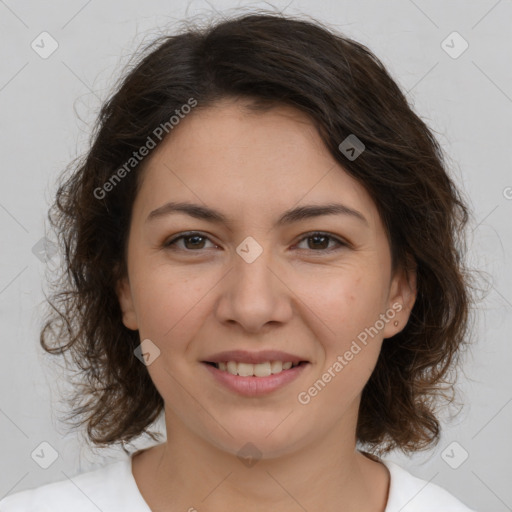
(255, 386)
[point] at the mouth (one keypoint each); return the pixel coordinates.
(260, 370)
(255, 380)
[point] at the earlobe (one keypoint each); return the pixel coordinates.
(401, 300)
(124, 295)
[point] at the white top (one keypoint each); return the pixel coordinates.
(112, 488)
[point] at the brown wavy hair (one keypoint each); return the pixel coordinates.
(344, 89)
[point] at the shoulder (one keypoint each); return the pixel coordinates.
(109, 488)
(408, 493)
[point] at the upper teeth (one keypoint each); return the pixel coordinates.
(258, 370)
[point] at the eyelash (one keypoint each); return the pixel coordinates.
(170, 243)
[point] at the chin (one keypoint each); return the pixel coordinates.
(253, 436)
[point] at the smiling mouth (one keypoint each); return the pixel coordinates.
(255, 370)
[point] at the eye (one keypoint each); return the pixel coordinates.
(320, 242)
(192, 240)
(195, 241)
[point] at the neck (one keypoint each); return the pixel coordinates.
(328, 474)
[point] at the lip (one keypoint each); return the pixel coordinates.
(243, 356)
(255, 386)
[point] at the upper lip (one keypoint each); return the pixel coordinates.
(243, 356)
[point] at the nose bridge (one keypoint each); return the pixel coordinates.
(251, 267)
(253, 296)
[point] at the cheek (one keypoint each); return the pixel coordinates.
(170, 301)
(349, 304)
(346, 302)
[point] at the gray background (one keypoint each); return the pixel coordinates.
(47, 108)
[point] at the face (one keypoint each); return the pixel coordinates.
(251, 278)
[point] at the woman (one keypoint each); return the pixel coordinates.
(262, 244)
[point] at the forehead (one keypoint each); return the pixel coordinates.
(250, 161)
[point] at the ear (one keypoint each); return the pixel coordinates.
(402, 296)
(124, 295)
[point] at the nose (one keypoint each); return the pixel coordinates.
(254, 294)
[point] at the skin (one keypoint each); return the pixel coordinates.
(201, 297)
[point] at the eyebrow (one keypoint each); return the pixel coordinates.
(289, 217)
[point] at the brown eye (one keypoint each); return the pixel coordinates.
(194, 242)
(191, 242)
(319, 242)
